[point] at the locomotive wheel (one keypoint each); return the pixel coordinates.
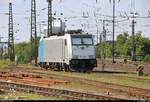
(66, 69)
(59, 69)
(42, 65)
(82, 71)
(70, 68)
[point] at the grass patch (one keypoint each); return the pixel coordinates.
(3, 63)
(134, 76)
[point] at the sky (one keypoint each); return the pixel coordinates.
(73, 12)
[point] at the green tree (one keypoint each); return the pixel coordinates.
(147, 58)
(23, 51)
(123, 47)
(146, 46)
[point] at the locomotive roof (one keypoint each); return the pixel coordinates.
(66, 35)
(81, 35)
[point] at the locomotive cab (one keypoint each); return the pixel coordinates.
(83, 52)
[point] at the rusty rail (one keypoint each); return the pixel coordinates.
(66, 94)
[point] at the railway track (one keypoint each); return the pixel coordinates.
(131, 92)
(65, 94)
(115, 76)
(126, 77)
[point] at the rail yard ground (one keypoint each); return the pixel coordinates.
(104, 85)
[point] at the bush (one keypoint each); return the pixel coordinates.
(139, 58)
(147, 58)
(5, 62)
(23, 51)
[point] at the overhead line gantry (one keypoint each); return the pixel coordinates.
(50, 18)
(34, 46)
(11, 35)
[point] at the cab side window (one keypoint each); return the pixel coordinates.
(65, 42)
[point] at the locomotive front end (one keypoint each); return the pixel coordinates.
(83, 53)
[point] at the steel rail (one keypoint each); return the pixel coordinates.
(67, 94)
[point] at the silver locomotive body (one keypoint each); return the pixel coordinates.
(68, 52)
